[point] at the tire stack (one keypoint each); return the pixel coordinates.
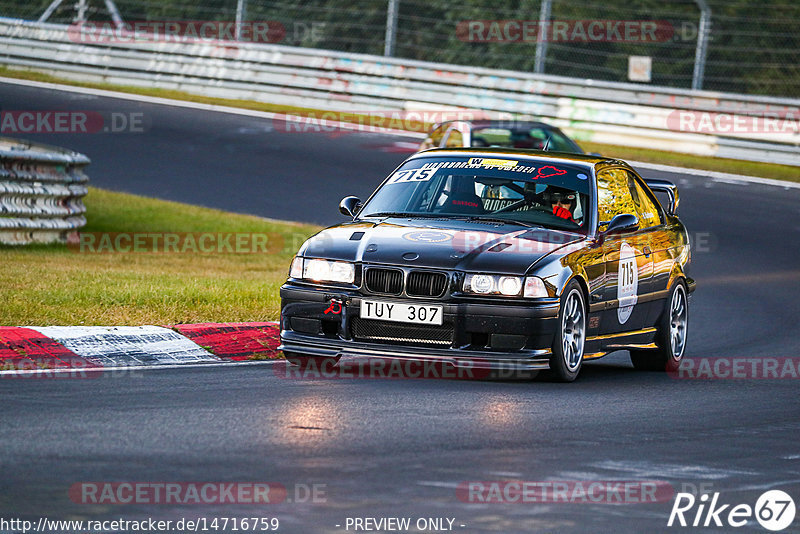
(41, 192)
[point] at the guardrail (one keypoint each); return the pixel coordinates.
(614, 113)
(41, 188)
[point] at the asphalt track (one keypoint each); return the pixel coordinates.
(400, 448)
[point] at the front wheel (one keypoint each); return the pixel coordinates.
(567, 358)
(671, 335)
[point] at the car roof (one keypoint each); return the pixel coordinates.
(580, 159)
(507, 123)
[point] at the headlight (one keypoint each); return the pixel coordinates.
(479, 283)
(320, 270)
(507, 286)
(489, 284)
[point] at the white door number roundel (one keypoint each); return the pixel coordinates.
(627, 282)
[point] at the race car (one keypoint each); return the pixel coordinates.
(499, 133)
(496, 259)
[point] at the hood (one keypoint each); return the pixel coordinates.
(441, 244)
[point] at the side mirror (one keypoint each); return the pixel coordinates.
(350, 206)
(622, 224)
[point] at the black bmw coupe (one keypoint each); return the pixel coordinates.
(497, 258)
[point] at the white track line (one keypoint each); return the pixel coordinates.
(288, 116)
(134, 368)
(720, 176)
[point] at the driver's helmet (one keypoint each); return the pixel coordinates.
(554, 193)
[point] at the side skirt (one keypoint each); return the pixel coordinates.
(599, 346)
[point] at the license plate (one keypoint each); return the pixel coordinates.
(401, 312)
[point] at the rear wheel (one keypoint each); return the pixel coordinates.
(568, 345)
(671, 335)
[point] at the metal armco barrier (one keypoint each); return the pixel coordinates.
(41, 188)
(613, 113)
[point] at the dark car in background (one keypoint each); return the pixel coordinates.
(494, 258)
(499, 134)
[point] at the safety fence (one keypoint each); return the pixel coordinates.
(727, 125)
(41, 191)
(740, 46)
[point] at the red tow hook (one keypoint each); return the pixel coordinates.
(334, 310)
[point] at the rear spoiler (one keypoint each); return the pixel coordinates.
(663, 186)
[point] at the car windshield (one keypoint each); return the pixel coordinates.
(523, 137)
(508, 188)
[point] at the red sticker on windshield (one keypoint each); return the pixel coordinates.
(548, 171)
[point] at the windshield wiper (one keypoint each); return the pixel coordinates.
(406, 214)
(505, 221)
(401, 214)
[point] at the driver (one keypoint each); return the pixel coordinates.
(562, 201)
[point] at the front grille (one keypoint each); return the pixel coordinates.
(387, 281)
(426, 284)
(400, 333)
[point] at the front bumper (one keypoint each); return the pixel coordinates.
(478, 335)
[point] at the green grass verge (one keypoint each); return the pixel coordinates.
(58, 285)
(764, 170)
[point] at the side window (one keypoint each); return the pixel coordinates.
(646, 209)
(434, 138)
(560, 143)
(454, 139)
(491, 137)
(613, 195)
(552, 140)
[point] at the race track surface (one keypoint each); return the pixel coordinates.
(400, 448)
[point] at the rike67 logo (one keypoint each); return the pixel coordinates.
(774, 510)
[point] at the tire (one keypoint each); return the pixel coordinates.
(306, 361)
(670, 337)
(570, 340)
